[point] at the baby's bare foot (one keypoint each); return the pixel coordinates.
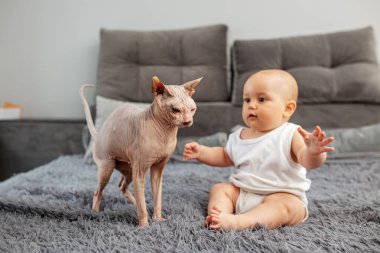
(222, 220)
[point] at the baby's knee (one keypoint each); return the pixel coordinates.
(216, 188)
(294, 214)
(286, 211)
(289, 207)
(227, 190)
(223, 187)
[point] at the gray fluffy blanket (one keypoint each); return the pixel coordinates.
(48, 209)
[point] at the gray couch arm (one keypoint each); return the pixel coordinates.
(25, 144)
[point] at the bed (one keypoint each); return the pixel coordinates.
(48, 209)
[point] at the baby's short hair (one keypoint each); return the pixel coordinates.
(286, 76)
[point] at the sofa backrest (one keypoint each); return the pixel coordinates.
(336, 67)
(129, 59)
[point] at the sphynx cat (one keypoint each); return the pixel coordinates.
(132, 140)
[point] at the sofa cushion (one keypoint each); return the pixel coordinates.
(359, 139)
(129, 59)
(332, 67)
(349, 140)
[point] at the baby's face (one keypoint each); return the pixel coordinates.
(265, 98)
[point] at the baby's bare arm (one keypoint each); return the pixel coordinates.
(310, 149)
(213, 156)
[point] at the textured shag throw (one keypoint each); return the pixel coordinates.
(48, 209)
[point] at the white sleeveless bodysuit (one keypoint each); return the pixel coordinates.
(264, 165)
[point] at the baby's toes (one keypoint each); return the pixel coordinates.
(207, 221)
(216, 208)
(214, 213)
(215, 225)
(215, 219)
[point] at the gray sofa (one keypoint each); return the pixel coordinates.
(337, 73)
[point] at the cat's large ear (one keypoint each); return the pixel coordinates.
(190, 86)
(158, 88)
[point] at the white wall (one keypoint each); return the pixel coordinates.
(48, 48)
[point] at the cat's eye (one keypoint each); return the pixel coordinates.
(175, 110)
(193, 109)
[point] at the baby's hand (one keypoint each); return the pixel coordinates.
(316, 141)
(191, 151)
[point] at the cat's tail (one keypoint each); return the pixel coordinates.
(86, 107)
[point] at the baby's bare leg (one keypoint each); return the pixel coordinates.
(223, 196)
(276, 210)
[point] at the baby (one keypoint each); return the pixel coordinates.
(270, 157)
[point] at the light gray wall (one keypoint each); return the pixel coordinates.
(48, 48)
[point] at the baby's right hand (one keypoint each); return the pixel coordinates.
(191, 151)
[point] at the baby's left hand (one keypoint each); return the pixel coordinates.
(316, 141)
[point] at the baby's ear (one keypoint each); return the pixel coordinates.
(158, 88)
(190, 86)
(290, 108)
